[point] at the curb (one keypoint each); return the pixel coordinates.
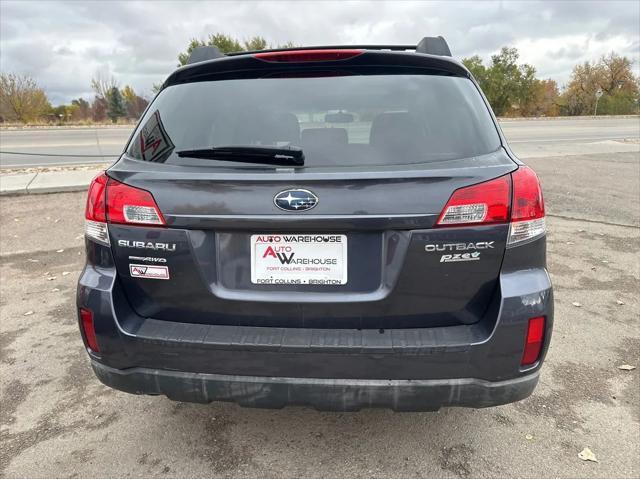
(46, 182)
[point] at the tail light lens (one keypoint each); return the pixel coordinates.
(308, 55)
(95, 213)
(527, 218)
(490, 202)
(110, 201)
(86, 319)
(533, 343)
(129, 205)
(96, 209)
(484, 203)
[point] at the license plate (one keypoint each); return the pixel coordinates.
(314, 259)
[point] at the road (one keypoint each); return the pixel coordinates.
(528, 138)
(57, 420)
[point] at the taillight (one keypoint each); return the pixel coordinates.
(86, 319)
(484, 203)
(527, 217)
(110, 201)
(95, 213)
(515, 199)
(129, 205)
(308, 55)
(533, 342)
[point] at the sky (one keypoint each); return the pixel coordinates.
(63, 44)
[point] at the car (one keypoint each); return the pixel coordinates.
(337, 227)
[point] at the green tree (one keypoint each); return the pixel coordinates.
(510, 88)
(21, 99)
(255, 43)
(115, 105)
(227, 44)
(478, 70)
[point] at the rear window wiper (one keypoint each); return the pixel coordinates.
(265, 155)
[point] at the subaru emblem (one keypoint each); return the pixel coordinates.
(295, 200)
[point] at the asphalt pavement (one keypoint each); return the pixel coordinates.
(528, 138)
(57, 420)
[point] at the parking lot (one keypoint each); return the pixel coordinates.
(59, 421)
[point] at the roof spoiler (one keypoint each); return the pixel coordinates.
(429, 45)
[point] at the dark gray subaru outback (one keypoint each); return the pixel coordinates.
(340, 227)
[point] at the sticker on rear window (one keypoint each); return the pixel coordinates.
(153, 142)
(151, 272)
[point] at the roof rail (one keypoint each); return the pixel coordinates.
(434, 46)
(202, 54)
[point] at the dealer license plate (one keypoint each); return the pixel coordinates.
(315, 259)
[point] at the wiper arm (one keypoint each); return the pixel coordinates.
(265, 155)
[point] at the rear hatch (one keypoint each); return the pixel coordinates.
(352, 236)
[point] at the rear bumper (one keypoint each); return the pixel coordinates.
(321, 394)
(475, 365)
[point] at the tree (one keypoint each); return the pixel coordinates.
(227, 44)
(134, 103)
(509, 87)
(99, 109)
(82, 109)
(115, 105)
(255, 43)
(478, 70)
(103, 85)
(21, 99)
(613, 75)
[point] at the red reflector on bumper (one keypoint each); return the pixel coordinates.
(86, 317)
(533, 344)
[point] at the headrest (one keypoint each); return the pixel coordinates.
(324, 137)
(257, 128)
(397, 130)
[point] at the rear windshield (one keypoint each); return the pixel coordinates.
(338, 121)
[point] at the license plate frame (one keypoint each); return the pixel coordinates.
(306, 259)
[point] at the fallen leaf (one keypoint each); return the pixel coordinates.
(51, 278)
(529, 437)
(55, 290)
(60, 251)
(605, 261)
(620, 302)
(570, 242)
(576, 304)
(587, 455)
(64, 273)
(33, 260)
(626, 367)
(28, 313)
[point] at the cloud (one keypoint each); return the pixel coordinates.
(62, 44)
